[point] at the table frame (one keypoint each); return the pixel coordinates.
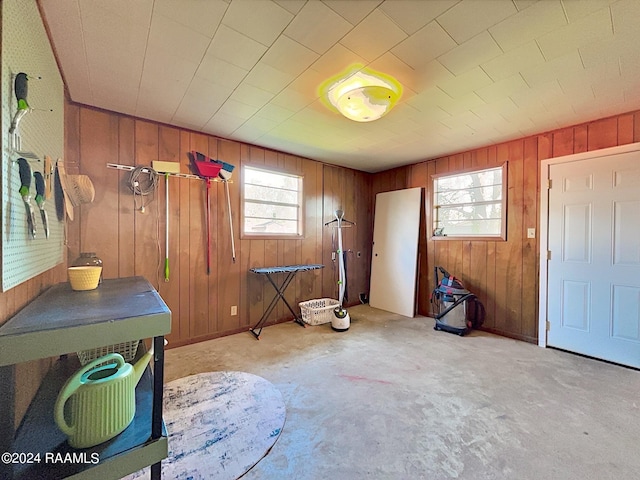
(290, 271)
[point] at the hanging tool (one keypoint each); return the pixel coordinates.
(40, 189)
(207, 169)
(225, 176)
(143, 181)
(233, 245)
(208, 180)
(48, 175)
(25, 186)
(20, 89)
(166, 234)
(166, 168)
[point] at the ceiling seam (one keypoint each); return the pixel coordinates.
(293, 16)
(144, 58)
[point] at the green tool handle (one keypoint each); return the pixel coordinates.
(166, 247)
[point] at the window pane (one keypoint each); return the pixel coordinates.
(469, 204)
(488, 177)
(272, 202)
(269, 194)
(260, 226)
(470, 195)
(469, 212)
(269, 212)
(272, 179)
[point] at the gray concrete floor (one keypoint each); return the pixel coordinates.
(393, 399)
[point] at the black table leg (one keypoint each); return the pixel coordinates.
(158, 385)
(296, 319)
(279, 295)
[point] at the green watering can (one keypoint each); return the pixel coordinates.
(102, 399)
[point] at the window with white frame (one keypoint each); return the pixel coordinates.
(271, 202)
(470, 204)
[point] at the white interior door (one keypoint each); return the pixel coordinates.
(594, 270)
(394, 261)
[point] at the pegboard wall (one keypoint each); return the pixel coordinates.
(26, 48)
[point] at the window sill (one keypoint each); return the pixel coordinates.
(270, 236)
(466, 238)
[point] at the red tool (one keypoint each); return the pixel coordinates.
(207, 169)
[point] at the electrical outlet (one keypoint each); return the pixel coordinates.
(234, 310)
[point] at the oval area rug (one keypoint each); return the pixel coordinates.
(220, 424)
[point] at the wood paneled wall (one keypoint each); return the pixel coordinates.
(349, 191)
(133, 243)
(503, 274)
(26, 376)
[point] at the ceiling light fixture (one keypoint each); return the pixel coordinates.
(362, 94)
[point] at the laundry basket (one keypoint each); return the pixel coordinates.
(126, 349)
(317, 312)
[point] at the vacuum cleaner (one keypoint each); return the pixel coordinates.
(341, 320)
(450, 300)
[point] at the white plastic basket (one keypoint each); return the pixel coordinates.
(126, 349)
(317, 312)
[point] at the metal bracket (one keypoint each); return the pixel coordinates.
(118, 166)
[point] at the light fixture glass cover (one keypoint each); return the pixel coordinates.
(363, 95)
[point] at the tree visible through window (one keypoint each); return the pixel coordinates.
(470, 204)
(272, 203)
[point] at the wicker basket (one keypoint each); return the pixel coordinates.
(317, 312)
(126, 349)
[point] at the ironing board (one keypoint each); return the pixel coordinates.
(290, 272)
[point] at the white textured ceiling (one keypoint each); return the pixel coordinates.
(474, 72)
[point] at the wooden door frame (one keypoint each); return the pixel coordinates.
(544, 222)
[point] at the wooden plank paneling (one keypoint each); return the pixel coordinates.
(183, 317)
(361, 260)
(202, 294)
(636, 127)
(228, 291)
(126, 224)
(625, 129)
(308, 284)
(169, 151)
(530, 192)
(580, 139)
(602, 134)
(563, 142)
(329, 245)
(146, 207)
(503, 251)
(515, 230)
(102, 129)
